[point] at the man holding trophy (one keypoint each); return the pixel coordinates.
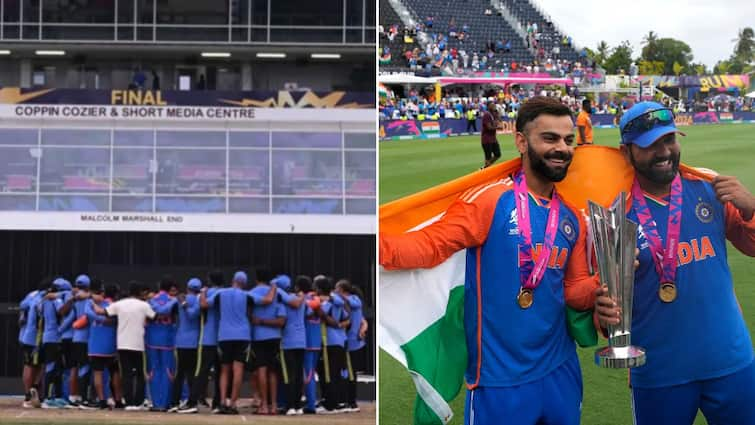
(684, 310)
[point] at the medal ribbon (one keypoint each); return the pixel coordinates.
(664, 259)
(531, 273)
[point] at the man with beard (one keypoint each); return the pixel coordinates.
(490, 147)
(685, 312)
(526, 258)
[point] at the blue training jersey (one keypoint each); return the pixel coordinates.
(28, 333)
(66, 323)
(209, 330)
(102, 335)
(79, 309)
(233, 305)
(312, 328)
(161, 331)
(701, 334)
(294, 336)
(353, 342)
(187, 334)
(335, 308)
(50, 321)
(269, 311)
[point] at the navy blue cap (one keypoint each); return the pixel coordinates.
(645, 138)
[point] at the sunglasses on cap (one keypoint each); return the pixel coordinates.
(648, 120)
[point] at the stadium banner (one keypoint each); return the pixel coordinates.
(705, 82)
(194, 222)
(428, 338)
(216, 98)
(414, 129)
(194, 114)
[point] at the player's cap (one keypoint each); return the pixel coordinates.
(83, 281)
(646, 122)
(240, 277)
(61, 284)
(194, 284)
(282, 281)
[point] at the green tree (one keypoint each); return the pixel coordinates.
(744, 49)
(697, 69)
(601, 52)
(649, 49)
(721, 67)
(650, 67)
(668, 51)
(619, 59)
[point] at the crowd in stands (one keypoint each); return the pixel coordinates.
(440, 54)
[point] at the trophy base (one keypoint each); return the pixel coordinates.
(620, 357)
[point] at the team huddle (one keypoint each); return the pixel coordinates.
(89, 348)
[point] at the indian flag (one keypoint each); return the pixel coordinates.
(421, 311)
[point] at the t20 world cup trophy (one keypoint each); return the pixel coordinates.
(615, 239)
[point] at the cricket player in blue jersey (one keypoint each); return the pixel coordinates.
(526, 259)
(160, 344)
(355, 339)
(268, 321)
(79, 359)
(332, 369)
(30, 338)
(51, 311)
(293, 341)
(313, 338)
(187, 339)
(207, 357)
(685, 312)
(101, 345)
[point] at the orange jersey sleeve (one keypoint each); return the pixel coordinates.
(465, 224)
(741, 233)
(579, 285)
(581, 120)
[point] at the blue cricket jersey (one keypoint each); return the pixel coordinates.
(233, 304)
(187, 335)
(269, 311)
(49, 312)
(701, 334)
(210, 329)
(335, 309)
(66, 323)
(293, 332)
(353, 342)
(312, 328)
(161, 332)
(79, 309)
(102, 336)
(28, 334)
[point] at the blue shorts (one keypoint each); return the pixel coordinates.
(555, 399)
(728, 400)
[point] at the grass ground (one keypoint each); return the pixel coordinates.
(410, 166)
(12, 414)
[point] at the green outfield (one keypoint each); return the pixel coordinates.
(410, 166)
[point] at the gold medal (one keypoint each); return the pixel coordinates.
(525, 298)
(667, 293)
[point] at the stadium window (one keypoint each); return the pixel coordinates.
(30, 12)
(307, 206)
(205, 139)
(307, 12)
(18, 136)
(191, 171)
(86, 203)
(75, 137)
(18, 170)
(249, 172)
(360, 173)
(132, 173)
(190, 205)
(259, 12)
(126, 11)
(74, 170)
(360, 206)
(354, 12)
(144, 11)
(284, 139)
(247, 205)
(307, 173)
(131, 204)
(56, 11)
(249, 139)
(369, 15)
(133, 138)
(15, 202)
(359, 140)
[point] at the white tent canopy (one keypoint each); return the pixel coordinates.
(751, 94)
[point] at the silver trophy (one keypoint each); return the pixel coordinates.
(615, 239)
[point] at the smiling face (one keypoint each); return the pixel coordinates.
(547, 146)
(659, 162)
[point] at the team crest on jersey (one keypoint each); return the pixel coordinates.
(567, 228)
(514, 230)
(704, 212)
